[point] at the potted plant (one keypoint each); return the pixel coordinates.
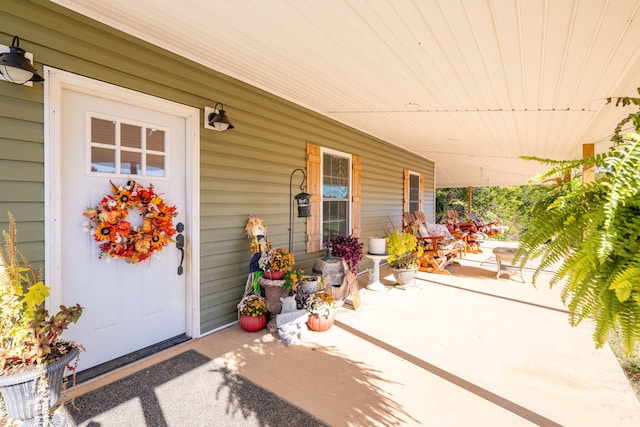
(349, 248)
(404, 254)
(322, 308)
(33, 357)
(279, 261)
(253, 313)
(291, 279)
(591, 228)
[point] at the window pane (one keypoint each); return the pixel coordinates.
(130, 163)
(155, 165)
(103, 131)
(414, 187)
(130, 136)
(334, 219)
(103, 160)
(335, 177)
(155, 140)
(335, 193)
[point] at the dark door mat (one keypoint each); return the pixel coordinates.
(187, 390)
(109, 366)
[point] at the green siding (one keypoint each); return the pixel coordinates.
(244, 171)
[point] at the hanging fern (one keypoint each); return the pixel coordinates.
(593, 231)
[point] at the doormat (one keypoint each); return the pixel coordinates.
(187, 390)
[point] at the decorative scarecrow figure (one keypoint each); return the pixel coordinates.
(260, 245)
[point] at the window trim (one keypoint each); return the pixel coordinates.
(407, 187)
(348, 156)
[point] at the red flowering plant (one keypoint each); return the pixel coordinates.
(117, 237)
(349, 248)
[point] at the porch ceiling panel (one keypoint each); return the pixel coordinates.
(470, 84)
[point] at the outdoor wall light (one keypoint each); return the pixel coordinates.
(218, 119)
(302, 200)
(15, 67)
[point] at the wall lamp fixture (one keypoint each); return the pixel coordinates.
(216, 118)
(302, 200)
(15, 67)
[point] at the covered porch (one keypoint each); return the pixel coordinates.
(465, 349)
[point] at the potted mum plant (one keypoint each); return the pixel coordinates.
(291, 279)
(322, 308)
(279, 261)
(253, 313)
(33, 357)
(404, 253)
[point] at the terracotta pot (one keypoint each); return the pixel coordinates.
(273, 275)
(320, 323)
(251, 323)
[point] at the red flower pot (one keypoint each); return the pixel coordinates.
(273, 275)
(252, 324)
(320, 323)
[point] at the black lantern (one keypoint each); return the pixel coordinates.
(304, 207)
(219, 120)
(302, 200)
(15, 67)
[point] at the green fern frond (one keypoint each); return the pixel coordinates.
(593, 230)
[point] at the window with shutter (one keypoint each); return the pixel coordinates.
(334, 184)
(412, 191)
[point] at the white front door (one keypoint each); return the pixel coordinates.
(103, 140)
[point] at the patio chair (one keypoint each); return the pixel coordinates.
(489, 228)
(471, 238)
(440, 247)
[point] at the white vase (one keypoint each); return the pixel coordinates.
(377, 246)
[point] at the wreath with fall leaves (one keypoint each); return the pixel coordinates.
(117, 237)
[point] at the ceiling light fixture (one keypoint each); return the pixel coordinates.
(15, 67)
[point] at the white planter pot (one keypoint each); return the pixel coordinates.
(403, 276)
(377, 246)
(310, 286)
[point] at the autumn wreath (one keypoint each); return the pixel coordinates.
(117, 237)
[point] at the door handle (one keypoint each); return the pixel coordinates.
(180, 246)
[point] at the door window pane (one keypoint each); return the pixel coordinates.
(130, 136)
(103, 160)
(155, 140)
(130, 163)
(120, 146)
(103, 131)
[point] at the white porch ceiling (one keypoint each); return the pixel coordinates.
(470, 84)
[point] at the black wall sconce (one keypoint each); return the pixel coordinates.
(15, 67)
(217, 119)
(302, 201)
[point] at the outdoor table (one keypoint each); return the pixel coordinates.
(506, 254)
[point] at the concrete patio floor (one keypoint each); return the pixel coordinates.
(461, 350)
